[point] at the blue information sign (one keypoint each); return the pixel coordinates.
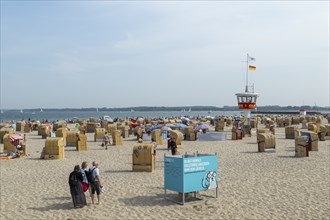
(190, 174)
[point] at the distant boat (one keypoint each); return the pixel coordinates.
(132, 110)
(183, 110)
(41, 110)
(1, 112)
(97, 109)
(21, 110)
(209, 111)
(33, 113)
(189, 110)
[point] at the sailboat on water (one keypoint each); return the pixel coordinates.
(21, 110)
(41, 110)
(97, 109)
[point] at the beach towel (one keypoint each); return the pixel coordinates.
(5, 157)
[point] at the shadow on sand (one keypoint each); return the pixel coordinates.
(287, 156)
(155, 200)
(64, 203)
(59, 198)
(118, 171)
(58, 206)
(253, 143)
(250, 152)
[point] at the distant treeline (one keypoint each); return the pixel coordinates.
(194, 108)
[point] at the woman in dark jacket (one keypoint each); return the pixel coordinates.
(172, 146)
(76, 189)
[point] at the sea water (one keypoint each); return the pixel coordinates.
(52, 115)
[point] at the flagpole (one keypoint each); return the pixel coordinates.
(247, 73)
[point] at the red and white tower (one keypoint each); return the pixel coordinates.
(247, 100)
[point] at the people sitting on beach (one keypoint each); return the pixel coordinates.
(77, 137)
(19, 150)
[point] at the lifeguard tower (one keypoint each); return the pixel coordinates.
(247, 100)
(302, 112)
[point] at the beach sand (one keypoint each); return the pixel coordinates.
(252, 185)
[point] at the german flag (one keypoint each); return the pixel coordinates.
(253, 68)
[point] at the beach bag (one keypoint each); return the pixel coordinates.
(89, 175)
(85, 186)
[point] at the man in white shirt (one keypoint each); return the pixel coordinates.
(96, 185)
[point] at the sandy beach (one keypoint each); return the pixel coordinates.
(252, 185)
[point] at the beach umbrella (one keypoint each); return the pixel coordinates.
(165, 128)
(154, 127)
(109, 119)
(140, 119)
(77, 125)
(180, 125)
(202, 126)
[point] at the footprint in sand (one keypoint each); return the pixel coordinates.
(198, 207)
(210, 205)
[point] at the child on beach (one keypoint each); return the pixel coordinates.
(19, 150)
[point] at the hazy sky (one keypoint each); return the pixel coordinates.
(120, 54)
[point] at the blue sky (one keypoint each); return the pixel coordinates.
(120, 54)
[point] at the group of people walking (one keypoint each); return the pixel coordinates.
(83, 179)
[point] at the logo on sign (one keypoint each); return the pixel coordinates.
(209, 180)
